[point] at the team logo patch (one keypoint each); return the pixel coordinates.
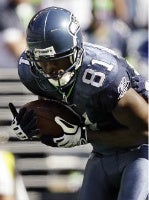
(123, 87)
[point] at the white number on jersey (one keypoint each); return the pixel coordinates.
(93, 77)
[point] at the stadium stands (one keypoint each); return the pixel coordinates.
(48, 173)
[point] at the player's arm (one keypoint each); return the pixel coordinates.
(24, 125)
(131, 111)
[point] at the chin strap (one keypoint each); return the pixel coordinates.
(65, 96)
(67, 92)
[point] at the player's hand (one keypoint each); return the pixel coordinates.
(74, 135)
(23, 123)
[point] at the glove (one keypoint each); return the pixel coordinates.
(23, 123)
(74, 135)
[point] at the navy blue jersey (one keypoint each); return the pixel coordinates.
(102, 80)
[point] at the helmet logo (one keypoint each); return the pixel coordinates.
(74, 25)
(44, 52)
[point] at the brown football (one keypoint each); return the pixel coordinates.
(46, 111)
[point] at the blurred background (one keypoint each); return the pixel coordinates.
(30, 170)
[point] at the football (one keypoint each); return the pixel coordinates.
(46, 111)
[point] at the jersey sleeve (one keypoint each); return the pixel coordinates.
(141, 86)
(115, 89)
(26, 77)
(38, 86)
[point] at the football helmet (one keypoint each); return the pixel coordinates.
(54, 33)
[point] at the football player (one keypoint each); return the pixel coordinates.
(104, 89)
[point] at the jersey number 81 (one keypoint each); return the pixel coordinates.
(93, 77)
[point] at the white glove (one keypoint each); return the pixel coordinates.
(18, 130)
(73, 135)
(23, 123)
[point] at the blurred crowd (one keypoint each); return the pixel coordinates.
(121, 25)
(118, 24)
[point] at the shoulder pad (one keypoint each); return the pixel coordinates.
(36, 84)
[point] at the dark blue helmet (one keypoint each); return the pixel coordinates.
(54, 33)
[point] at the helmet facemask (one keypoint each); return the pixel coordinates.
(61, 79)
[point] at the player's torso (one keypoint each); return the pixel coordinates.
(98, 88)
(102, 80)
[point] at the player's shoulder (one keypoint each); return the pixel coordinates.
(26, 76)
(101, 58)
(33, 79)
(102, 66)
(96, 48)
(24, 67)
(103, 75)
